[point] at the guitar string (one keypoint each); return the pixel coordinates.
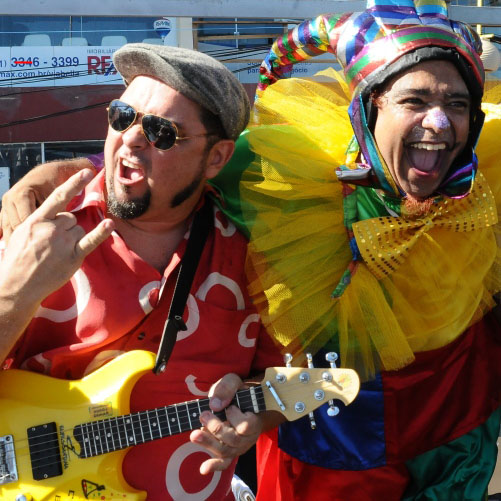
(57, 455)
(144, 417)
(244, 397)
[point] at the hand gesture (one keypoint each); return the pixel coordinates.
(48, 247)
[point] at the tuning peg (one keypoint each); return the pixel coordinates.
(309, 359)
(288, 360)
(332, 357)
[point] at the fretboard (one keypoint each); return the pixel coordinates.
(112, 434)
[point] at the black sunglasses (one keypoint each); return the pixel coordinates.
(160, 132)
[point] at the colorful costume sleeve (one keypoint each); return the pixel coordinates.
(309, 39)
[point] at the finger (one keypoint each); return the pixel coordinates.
(66, 220)
(24, 206)
(9, 214)
(60, 197)
(6, 231)
(214, 446)
(222, 392)
(94, 238)
(215, 464)
(218, 430)
(245, 424)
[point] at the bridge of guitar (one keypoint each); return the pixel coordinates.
(8, 466)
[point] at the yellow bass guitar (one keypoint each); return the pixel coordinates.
(65, 440)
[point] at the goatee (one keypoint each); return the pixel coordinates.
(414, 208)
(128, 209)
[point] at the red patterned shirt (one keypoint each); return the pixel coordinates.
(116, 302)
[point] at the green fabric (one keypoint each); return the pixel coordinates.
(457, 471)
(369, 205)
(228, 180)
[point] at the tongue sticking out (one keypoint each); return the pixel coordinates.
(132, 174)
(423, 160)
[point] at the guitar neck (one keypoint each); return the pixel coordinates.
(112, 434)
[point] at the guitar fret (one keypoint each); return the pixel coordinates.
(147, 415)
(109, 434)
(118, 433)
(131, 436)
(189, 417)
(165, 409)
(194, 412)
(173, 418)
(137, 428)
(243, 400)
(177, 417)
(204, 405)
(158, 424)
(255, 406)
(103, 434)
(85, 439)
(184, 418)
(93, 448)
(259, 393)
(125, 432)
(95, 438)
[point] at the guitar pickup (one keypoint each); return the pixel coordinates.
(8, 466)
(45, 454)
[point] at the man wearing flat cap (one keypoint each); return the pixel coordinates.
(91, 274)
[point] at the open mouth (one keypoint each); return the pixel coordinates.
(426, 157)
(129, 172)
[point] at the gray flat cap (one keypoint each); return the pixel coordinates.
(197, 76)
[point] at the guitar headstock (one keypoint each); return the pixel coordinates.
(296, 391)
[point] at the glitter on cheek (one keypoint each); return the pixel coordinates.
(438, 119)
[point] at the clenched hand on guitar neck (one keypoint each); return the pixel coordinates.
(229, 439)
(42, 255)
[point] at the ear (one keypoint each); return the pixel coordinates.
(218, 156)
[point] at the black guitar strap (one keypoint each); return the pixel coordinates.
(200, 228)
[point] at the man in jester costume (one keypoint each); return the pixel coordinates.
(389, 256)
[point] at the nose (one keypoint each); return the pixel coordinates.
(436, 120)
(133, 137)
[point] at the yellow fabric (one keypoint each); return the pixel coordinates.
(299, 248)
(385, 242)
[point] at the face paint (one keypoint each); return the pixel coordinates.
(438, 119)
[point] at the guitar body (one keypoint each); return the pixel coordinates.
(30, 400)
(66, 440)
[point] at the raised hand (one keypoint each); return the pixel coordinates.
(30, 191)
(42, 254)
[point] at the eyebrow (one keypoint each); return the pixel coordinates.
(427, 92)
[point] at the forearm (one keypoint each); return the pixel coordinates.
(18, 304)
(13, 322)
(46, 177)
